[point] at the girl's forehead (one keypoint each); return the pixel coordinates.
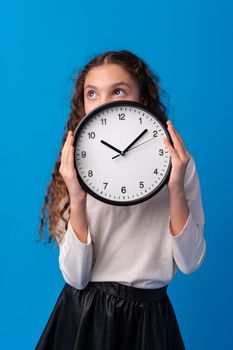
(108, 71)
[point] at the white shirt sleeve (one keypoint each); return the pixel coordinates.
(75, 258)
(189, 246)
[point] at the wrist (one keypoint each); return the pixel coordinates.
(78, 200)
(176, 189)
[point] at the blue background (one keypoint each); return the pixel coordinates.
(43, 44)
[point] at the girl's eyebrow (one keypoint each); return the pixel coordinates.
(112, 86)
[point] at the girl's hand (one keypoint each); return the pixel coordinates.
(68, 171)
(179, 158)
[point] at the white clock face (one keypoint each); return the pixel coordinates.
(108, 167)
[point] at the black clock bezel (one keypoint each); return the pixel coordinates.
(98, 110)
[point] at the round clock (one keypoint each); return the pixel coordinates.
(119, 153)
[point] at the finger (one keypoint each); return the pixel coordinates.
(171, 127)
(70, 157)
(188, 155)
(177, 141)
(67, 141)
(66, 147)
(70, 147)
(182, 143)
(175, 131)
(171, 149)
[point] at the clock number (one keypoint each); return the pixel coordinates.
(104, 121)
(91, 135)
(155, 133)
(105, 184)
(140, 120)
(161, 152)
(121, 116)
(83, 154)
(156, 171)
(141, 184)
(123, 189)
(90, 173)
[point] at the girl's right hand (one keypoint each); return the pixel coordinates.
(68, 171)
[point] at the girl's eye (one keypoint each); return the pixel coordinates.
(117, 90)
(90, 93)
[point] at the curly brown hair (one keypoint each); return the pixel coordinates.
(57, 199)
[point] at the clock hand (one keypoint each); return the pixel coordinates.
(112, 147)
(134, 141)
(142, 143)
(135, 146)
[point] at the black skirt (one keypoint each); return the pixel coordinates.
(111, 316)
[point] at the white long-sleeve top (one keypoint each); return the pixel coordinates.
(133, 245)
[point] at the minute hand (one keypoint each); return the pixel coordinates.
(134, 141)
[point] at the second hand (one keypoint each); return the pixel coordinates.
(134, 147)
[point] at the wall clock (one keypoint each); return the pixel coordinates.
(119, 153)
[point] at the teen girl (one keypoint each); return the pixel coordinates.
(116, 261)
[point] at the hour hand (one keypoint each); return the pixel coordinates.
(112, 147)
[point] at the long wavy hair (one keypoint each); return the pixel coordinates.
(57, 201)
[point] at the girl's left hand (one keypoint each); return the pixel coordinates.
(179, 158)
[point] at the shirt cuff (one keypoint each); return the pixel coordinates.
(75, 258)
(189, 246)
